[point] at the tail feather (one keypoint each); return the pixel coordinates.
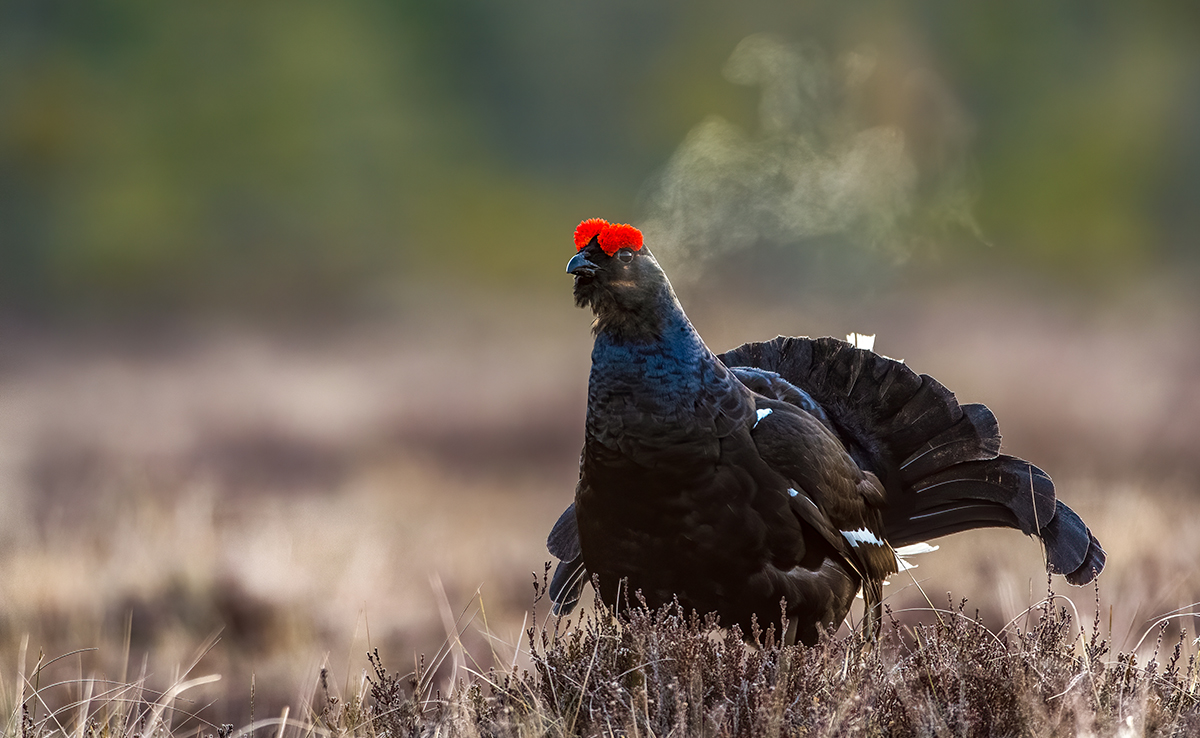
(890, 387)
(1015, 483)
(563, 541)
(566, 586)
(975, 437)
(928, 412)
(950, 517)
(1071, 549)
(1092, 565)
(874, 386)
(939, 461)
(837, 366)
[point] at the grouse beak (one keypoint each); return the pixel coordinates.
(581, 267)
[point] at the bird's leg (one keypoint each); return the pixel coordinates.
(872, 613)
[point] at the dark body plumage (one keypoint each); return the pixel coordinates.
(778, 471)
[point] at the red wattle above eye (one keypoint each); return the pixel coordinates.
(620, 236)
(587, 230)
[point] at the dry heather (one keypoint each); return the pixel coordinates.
(665, 673)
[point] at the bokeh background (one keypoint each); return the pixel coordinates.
(287, 352)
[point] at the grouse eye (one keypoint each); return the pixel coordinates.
(625, 256)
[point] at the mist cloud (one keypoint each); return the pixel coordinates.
(817, 166)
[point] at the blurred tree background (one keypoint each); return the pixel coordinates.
(224, 156)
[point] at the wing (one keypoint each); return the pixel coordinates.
(830, 492)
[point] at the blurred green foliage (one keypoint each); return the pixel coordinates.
(221, 154)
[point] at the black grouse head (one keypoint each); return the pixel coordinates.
(618, 278)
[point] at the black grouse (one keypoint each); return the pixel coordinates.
(784, 471)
